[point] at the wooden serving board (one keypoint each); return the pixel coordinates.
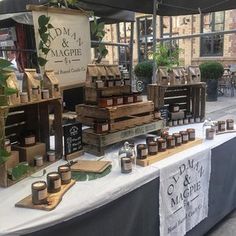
(169, 152)
(90, 166)
(53, 198)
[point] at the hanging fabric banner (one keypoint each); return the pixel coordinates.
(69, 43)
(183, 197)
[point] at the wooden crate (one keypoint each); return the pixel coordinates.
(97, 143)
(91, 95)
(190, 97)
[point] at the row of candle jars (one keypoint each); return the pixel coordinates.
(40, 189)
(24, 98)
(154, 145)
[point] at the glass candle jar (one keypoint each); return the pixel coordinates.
(191, 134)
(39, 193)
(51, 156)
(170, 141)
(101, 127)
(24, 97)
(150, 139)
(175, 122)
(29, 140)
(230, 124)
(38, 161)
(210, 132)
(142, 151)
(126, 165)
(105, 102)
(221, 126)
(54, 182)
(65, 173)
(161, 144)
(117, 101)
(178, 139)
(184, 135)
(164, 134)
(45, 94)
(186, 121)
(152, 148)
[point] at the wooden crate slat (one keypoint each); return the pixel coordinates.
(174, 93)
(174, 100)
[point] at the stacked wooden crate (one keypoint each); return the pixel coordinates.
(124, 121)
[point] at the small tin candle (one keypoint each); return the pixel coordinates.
(184, 135)
(38, 161)
(102, 127)
(51, 156)
(191, 134)
(142, 151)
(175, 122)
(180, 122)
(152, 148)
(161, 144)
(105, 102)
(210, 133)
(197, 119)
(191, 120)
(178, 139)
(100, 84)
(118, 101)
(29, 140)
(170, 142)
(54, 182)
(186, 121)
(39, 193)
(126, 165)
(128, 99)
(230, 124)
(8, 145)
(45, 94)
(24, 97)
(221, 126)
(138, 97)
(65, 173)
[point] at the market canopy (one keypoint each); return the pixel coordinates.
(169, 7)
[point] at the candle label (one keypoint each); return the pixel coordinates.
(222, 126)
(172, 143)
(105, 127)
(42, 194)
(185, 137)
(163, 145)
(39, 162)
(119, 100)
(109, 102)
(153, 148)
(66, 175)
(144, 152)
(57, 183)
(127, 166)
(191, 135)
(230, 125)
(130, 99)
(179, 140)
(29, 140)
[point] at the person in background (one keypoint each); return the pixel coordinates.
(11, 56)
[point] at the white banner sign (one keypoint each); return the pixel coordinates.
(70, 46)
(183, 194)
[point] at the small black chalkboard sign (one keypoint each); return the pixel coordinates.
(72, 138)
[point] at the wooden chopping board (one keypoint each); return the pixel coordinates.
(90, 166)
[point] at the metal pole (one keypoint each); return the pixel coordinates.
(109, 43)
(131, 49)
(154, 22)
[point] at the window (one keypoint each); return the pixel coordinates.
(145, 37)
(212, 45)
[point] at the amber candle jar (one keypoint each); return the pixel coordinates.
(184, 135)
(142, 151)
(178, 139)
(170, 141)
(65, 173)
(161, 144)
(191, 134)
(210, 133)
(118, 82)
(230, 124)
(101, 127)
(105, 102)
(100, 84)
(128, 99)
(126, 165)
(51, 156)
(39, 193)
(138, 97)
(54, 182)
(152, 148)
(164, 134)
(221, 126)
(118, 101)
(29, 140)
(110, 83)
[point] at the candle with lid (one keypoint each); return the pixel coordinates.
(150, 139)
(152, 148)
(65, 173)
(39, 193)
(54, 182)
(161, 144)
(191, 134)
(142, 151)
(184, 135)
(178, 139)
(51, 156)
(230, 124)
(170, 142)
(38, 160)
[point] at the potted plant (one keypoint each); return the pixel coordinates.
(143, 71)
(210, 73)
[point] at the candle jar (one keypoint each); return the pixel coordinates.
(100, 84)
(126, 165)
(54, 182)
(39, 193)
(170, 142)
(24, 97)
(142, 151)
(128, 99)
(101, 127)
(180, 122)
(65, 173)
(126, 152)
(191, 120)
(186, 121)
(164, 134)
(191, 134)
(152, 148)
(184, 135)
(51, 156)
(161, 144)
(230, 124)
(127, 82)
(197, 119)
(174, 108)
(29, 140)
(110, 83)
(45, 94)
(170, 123)
(178, 139)
(35, 91)
(175, 122)
(138, 97)
(105, 102)
(118, 101)
(38, 161)
(118, 82)
(150, 139)
(210, 132)
(221, 126)
(7, 145)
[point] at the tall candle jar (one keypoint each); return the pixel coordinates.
(221, 126)
(142, 151)
(191, 134)
(65, 173)
(39, 193)
(178, 139)
(161, 144)
(230, 124)
(152, 148)
(170, 142)
(54, 182)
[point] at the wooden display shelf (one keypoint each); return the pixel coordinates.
(190, 97)
(97, 143)
(169, 152)
(53, 199)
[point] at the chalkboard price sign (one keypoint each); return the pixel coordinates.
(72, 138)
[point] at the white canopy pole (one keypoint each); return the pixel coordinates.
(154, 21)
